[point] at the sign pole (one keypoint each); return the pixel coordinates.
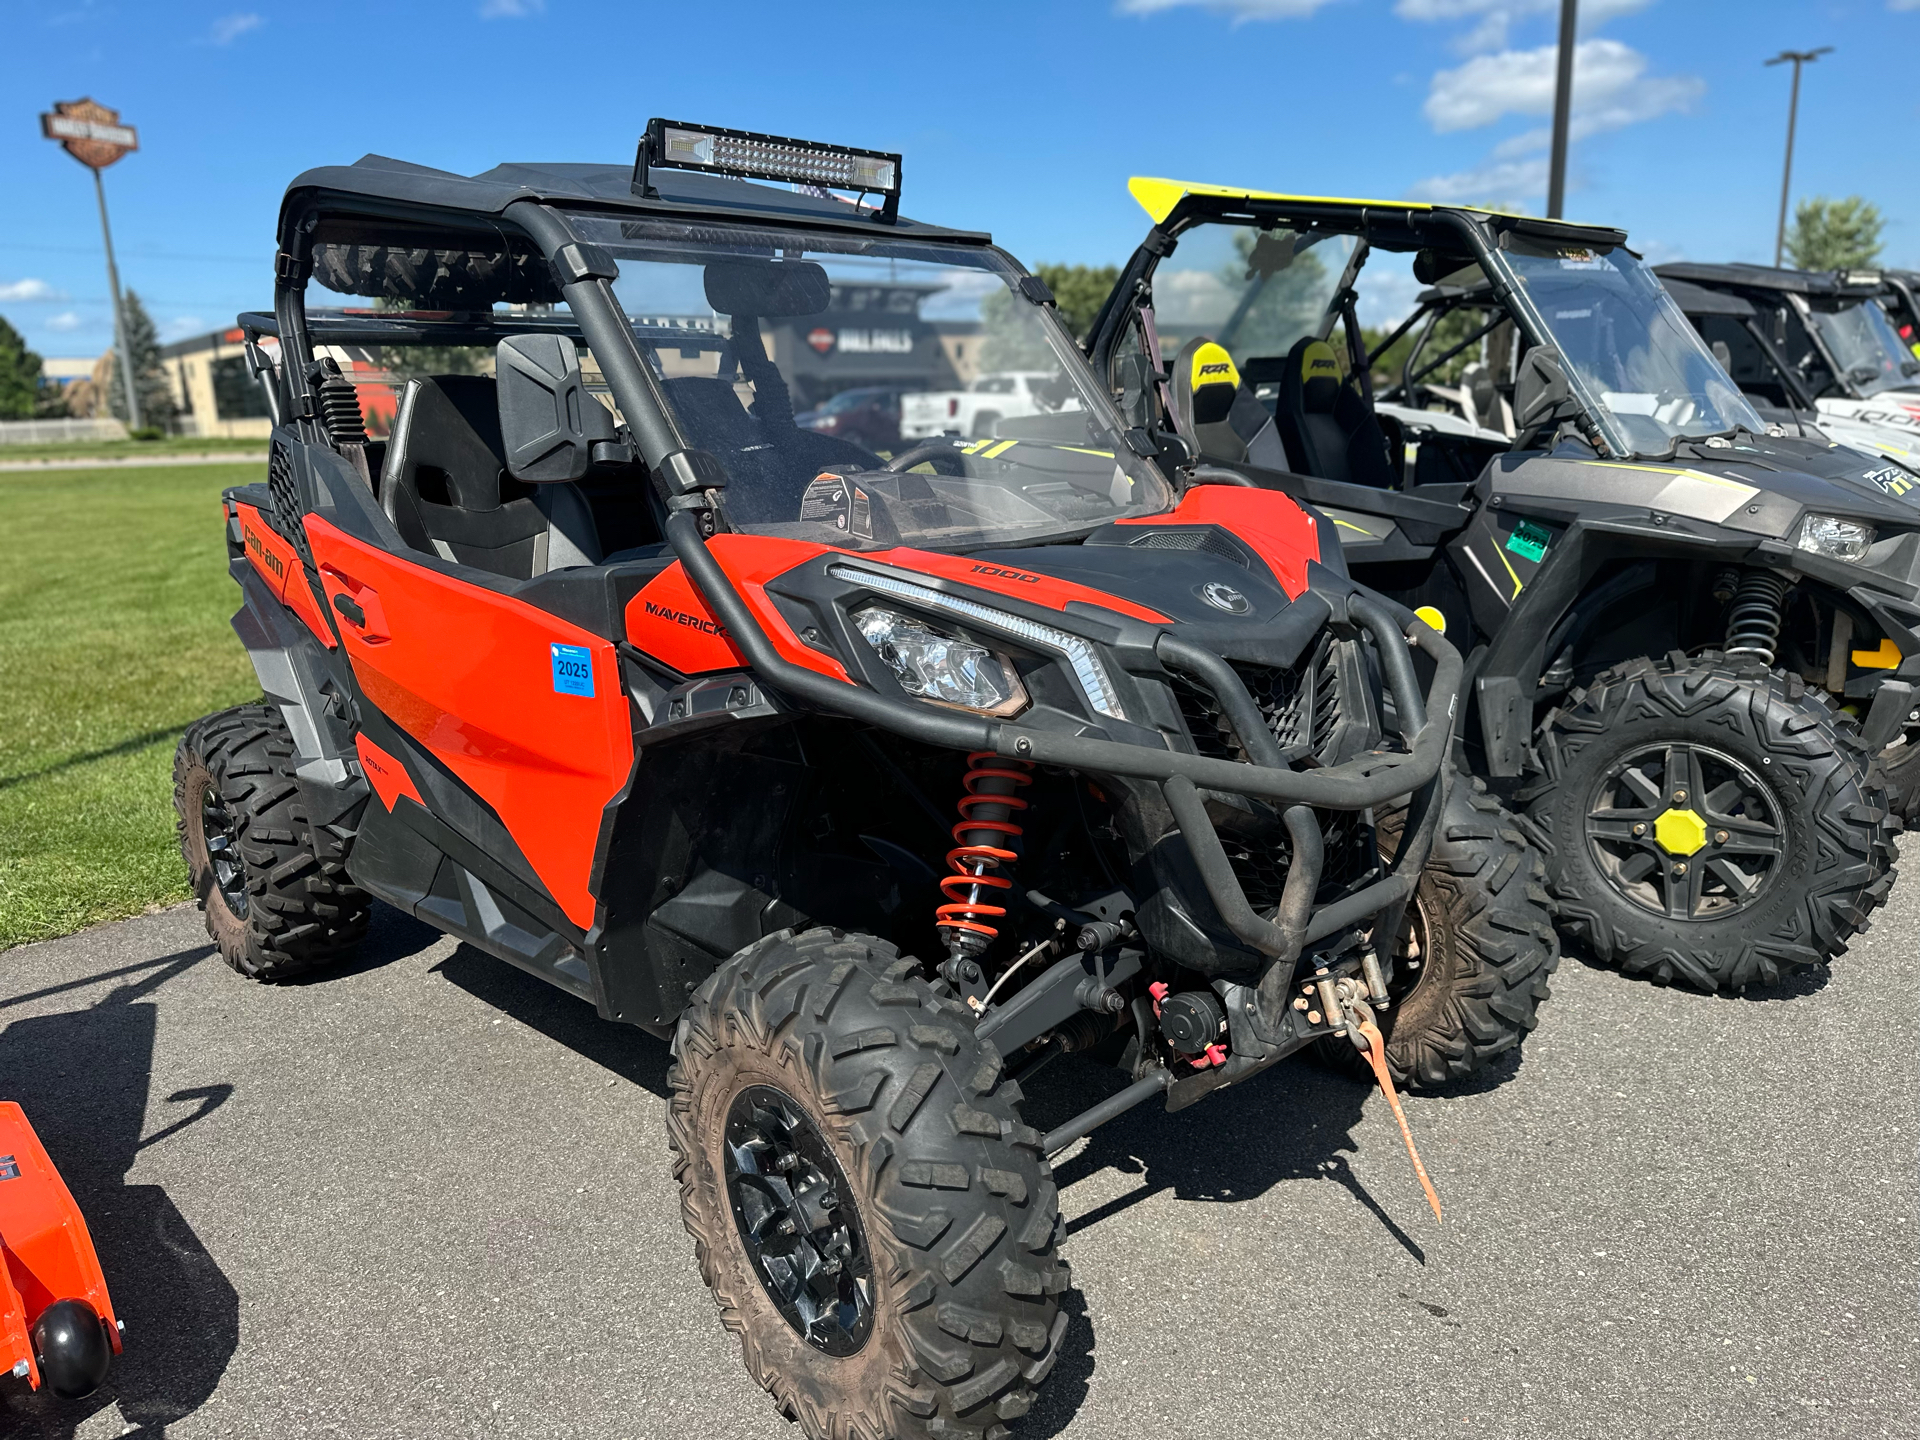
(93, 135)
(119, 315)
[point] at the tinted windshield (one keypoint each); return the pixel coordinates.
(744, 327)
(1866, 346)
(1645, 372)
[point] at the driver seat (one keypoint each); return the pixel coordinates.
(446, 488)
(1215, 414)
(1328, 427)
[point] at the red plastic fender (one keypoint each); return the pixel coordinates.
(49, 1254)
(1279, 531)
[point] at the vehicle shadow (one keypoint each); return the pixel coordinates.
(1295, 1122)
(83, 1078)
(623, 1050)
(391, 935)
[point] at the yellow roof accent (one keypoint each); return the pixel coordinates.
(1158, 197)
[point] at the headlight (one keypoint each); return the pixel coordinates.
(1831, 536)
(933, 666)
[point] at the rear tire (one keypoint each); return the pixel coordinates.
(1790, 764)
(1475, 951)
(1901, 764)
(953, 1214)
(275, 890)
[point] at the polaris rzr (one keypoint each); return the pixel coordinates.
(1672, 612)
(1812, 348)
(875, 780)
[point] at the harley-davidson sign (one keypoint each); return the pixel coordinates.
(89, 132)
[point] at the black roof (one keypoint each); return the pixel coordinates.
(1698, 300)
(1766, 277)
(378, 178)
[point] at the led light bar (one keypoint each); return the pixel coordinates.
(711, 150)
(1079, 654)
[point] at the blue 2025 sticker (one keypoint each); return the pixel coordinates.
(573, 670)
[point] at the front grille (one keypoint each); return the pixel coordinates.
(1296, 714)
(1261, 867)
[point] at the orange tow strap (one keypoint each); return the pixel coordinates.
(1377, 1057)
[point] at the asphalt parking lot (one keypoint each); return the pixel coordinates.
(427, 1196)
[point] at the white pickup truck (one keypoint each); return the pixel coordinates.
(974, 411)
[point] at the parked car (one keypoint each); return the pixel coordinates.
(975, 410)
(869, 417)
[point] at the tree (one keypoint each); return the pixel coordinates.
(150, 382)
(1835, 234)
(19, 375)
(1079, 291)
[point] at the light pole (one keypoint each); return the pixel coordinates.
(94, 136)
(1562, 110)
(1798, 58)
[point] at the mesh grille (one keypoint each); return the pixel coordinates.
(1211, 542)
(287, 510)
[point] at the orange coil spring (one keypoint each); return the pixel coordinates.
(991, 782)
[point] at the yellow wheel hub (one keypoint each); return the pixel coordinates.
(1680, 832)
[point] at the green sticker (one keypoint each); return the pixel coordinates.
(1529, 541)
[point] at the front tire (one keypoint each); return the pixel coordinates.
(1475, 951)
(274, 888)
(942, 1314)
(1708, 821)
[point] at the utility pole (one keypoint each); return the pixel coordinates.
(94, 136)
(1798, 58)
(1562, 110)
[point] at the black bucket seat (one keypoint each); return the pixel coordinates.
(446, 488)
(1217, 415)
(1328, 427)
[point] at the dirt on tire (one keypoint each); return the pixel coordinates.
(954, 1195)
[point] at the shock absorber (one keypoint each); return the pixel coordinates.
(982, 849)
(1754, 615)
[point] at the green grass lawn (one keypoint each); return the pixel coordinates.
(122, 449)
(114, 603)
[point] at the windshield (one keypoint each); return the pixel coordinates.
(1254, 291)
(1646, 374)
(1866, 347)
(744, 327)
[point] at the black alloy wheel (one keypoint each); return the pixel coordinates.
(1686, 831)
(216, 824)
(797, 1222)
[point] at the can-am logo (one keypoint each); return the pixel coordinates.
(1225, 597)
(820, 339)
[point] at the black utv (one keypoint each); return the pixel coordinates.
(876, 778)
(1687, 632)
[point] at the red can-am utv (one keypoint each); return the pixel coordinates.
(875, 779)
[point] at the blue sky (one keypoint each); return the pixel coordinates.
(1021, 118)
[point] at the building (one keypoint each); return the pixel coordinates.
(216, 393)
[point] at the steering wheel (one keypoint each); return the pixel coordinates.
(943, 454)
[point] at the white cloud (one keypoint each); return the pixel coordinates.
(1239, 9)
(1610, 88)
(66, 321)
(27, 291)
(511, 9)
(229, 28)
(1506, 184)
(1494, 19)
(182, 326)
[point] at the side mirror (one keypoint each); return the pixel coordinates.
(549, 424)
(1541, 394)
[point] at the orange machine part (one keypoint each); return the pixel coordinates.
(468, 673)
(280, 567)
(49, 1254)
(1281, 532)
(386, 774)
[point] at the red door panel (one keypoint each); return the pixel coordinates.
(472, 676)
